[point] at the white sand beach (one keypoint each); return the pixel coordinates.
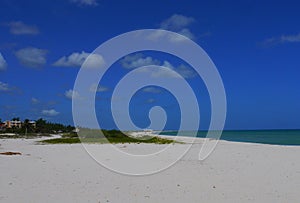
(234, 172)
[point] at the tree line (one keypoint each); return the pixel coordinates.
(41, 126)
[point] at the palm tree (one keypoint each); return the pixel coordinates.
(26, 124)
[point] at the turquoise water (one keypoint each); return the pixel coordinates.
(276, 137)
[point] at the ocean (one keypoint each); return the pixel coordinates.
(275, 137)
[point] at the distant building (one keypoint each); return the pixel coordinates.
(76, 130)
(13, 124)
(17, 124)
(2, 126)
(32, 123)
(145, 132)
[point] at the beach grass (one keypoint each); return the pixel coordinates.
(62, 140)
(106, 136)
(24, 136)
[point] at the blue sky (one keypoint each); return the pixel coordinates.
(254, 44)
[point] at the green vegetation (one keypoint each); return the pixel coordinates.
(44, 128)
(108, 136)
(156, 140)
(41, 128)
(62, 141)
(27, 136)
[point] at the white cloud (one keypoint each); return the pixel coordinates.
(151, 90)
(162, 35)
(98, 88)
(177, 22)
(150, 101)
(185, 71)
(170, 71)
(77, 59)
(72, 94)
(168, 65)
(50, 112)
(4, 87)
(283, 39)
(3, 64)
(85, 2)
(20, 28)
(185, 32)
(32, 57)
(290, 38)
(162, 73)
(34, 100)
(137, 60)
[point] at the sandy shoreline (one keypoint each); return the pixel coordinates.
(234, 172)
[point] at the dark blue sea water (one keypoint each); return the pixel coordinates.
(276, 137)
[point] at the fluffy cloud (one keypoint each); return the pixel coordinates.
(50, 112)
(183, 70)
(176, 22)
(282, 39)
(77, 59)
(72, 94)
(185, 32)
(32, 57)
(161, 35)
(162, 73)
(20, 28)
(150, 101)
(4, 87)
(151, 90)
(290, 38)
(137, 60)
(34, 100)
(85, 2)
(98, 88)
(3, 63)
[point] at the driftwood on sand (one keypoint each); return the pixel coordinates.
(10, 153)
